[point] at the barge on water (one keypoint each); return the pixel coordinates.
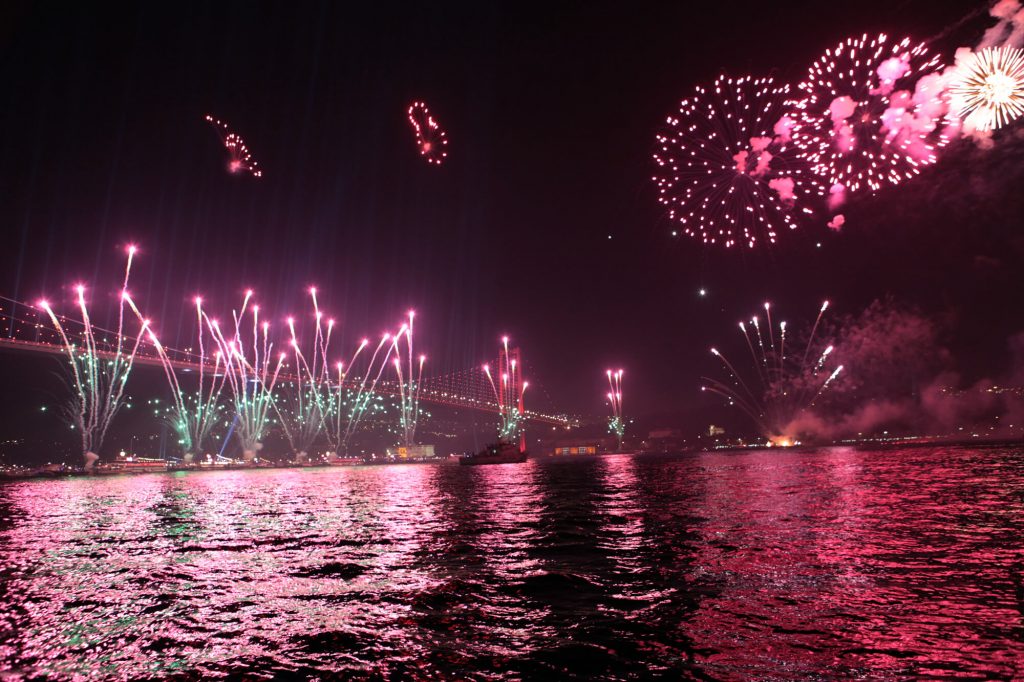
(498, 453)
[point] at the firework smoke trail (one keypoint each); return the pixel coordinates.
(784, 391)
(304, 405)
(431, 140)
(726, 169)
(814, 330)
(408, 386)
(250, 381)
(510, 403)
(98, 386)
(360, 401)
(860, 122)
(988, 88)
(340, 399)
(239, 157)
(365, 394)
(616, 424)
(192, 416)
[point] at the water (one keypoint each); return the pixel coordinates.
(771, 565)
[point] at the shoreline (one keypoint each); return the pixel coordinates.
(77, 472)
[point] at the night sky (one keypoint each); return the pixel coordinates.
(551, 111)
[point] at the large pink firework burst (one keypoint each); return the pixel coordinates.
(430, 139)
(871, 112)
(725, 170)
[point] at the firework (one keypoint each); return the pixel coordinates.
(304, 403)
(988, 88)
(363, 396)
(726, 171)
(250, 371)
(782, 386)
(342, 404)
(616, 424)
(239, 158)
(408, 387)
(859, 124)
(98, 372)
(509, 392)
(192, 414)
(430, 139)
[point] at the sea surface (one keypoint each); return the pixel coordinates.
(840, 562)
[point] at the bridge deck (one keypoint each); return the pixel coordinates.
(428, 393)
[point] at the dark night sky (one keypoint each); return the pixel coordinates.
(550, 110)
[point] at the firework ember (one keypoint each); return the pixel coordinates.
(430, 139)
(304, 402)
(98, 371)
(860, 122)
(408, 385)
(192, 414)
(616, 424)
(509, 391)
(782, 387)
(988, 90)
(250, 371)
(239, 158)
(726, 171)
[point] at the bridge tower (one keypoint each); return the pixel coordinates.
(511, 396)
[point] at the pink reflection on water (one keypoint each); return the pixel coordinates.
(837, 563)
(839, 553)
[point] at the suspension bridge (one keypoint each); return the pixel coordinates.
(27, 328)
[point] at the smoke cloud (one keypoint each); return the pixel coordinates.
(784, 188)
(899, 377)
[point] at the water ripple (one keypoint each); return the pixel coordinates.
(769, 565)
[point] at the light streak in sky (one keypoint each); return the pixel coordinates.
(781, 387)
(616, 423)
(98, 383)
(239, 157)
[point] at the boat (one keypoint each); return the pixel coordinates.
(344, 461)
(498, 453)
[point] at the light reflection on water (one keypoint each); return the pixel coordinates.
(778, 565)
